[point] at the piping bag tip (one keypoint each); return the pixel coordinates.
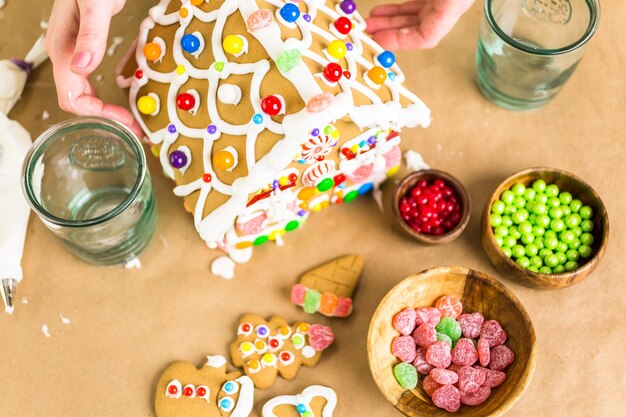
(7, 289)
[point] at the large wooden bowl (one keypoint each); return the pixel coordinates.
(409, 182)
(580, 190)
(478, 292)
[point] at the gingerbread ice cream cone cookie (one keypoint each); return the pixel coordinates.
(314, 401)
(211, 391)
(267, 349)
(263, 112)
(328, 289)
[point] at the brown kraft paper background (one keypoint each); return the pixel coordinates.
(127, 326)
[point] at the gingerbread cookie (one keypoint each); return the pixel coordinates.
(264, 112)
(328, 289)
(184, 390)
(314, 401)
(267, 349)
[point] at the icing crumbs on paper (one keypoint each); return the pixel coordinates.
(24, 300)
(117, 41)
(44, 329)
(43, 24)
(134, 263)
(414, 161)
(223, 267)
(45, 115)
(64, 319)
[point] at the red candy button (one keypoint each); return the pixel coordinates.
(343, 25)
(271, 105)
(332, 72)
(185, 101)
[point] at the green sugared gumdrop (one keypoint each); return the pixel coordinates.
(288, 60)
(449, 327)
(311, 301)
(406, 375)
(445, 338)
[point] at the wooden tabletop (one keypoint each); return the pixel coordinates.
(127, 326)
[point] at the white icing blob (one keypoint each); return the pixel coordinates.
(216, 361)
(179, 390)
(414, 161)
(201, 47)
(196, 96)
(158, 104)
(308, 352)
(45, 331)
(229, 94)
(64, 319)
(159, 41)
(134, 263)
(246, 398)
(223, 267)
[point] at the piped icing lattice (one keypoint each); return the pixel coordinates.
(264, 111)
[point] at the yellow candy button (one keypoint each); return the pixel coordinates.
(233, 44)
(337, 49)
(303, 327)
(268, 358)
(246, 347)
(147, 104)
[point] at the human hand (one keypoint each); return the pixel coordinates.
(76, 41)
(417, 24)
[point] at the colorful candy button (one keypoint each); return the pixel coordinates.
(223, 160)
(190, 43)
(337, 49)
(271, 105)
(377, 75)
(386, 59)
(289, 12)
(233, 44)
(152, 51)
(147, 105)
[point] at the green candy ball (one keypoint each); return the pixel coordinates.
(577, 231)
(584, 251)
(586, 212)
(449, 327)
(571, 266)
(519, 216)
(566, 210)
(586, 225)
(575, 244)
(573, 220)
(555, 213)
(559, 269)
(538, 231)
(513, 231)
(495, 220)
(545, 270)
(565, 197)
(536, 261)
(507, 252)
(557, 225)
(525, 228)
(528, 238)
(572, 255)
(550, 242)
(575, 205)
(507, 221)
(509, 241)
(533, 268)
(518, 251)
(541, 198)
(498, 207)
(531, 250)
(552, 190)
(568, 237)
(561, 257)
(551, 261)
(561, 247)
(519, 202)
(545, 252)
(524, 262)
(501, 231)
(507, 197)
(587, 239)
(529, 194)
(540, 208)
(543, 220)
(554, 202)
(539, 186)
(518, 189)
(499, 240)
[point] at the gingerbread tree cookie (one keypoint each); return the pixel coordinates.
(328, 288)
(267, 349)
(314, 401)
(265, 111)
(184, 390)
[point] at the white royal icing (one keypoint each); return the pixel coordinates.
(216, 361)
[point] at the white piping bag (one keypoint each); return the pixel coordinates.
(14, 144)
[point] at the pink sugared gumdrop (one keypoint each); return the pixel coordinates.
(493, 332)
(464, 353)
(320, 337)
(444, 376)
(404, 321)
(425, 335)
(447, 397)
(501, 357)
(475, 398)
(420, 363)
(471, 324)
(297, 294)
(344, 307)
(427, 315)
(430, 385)
(492, 378)
(470, 379)
(403, 347)
(484, 353)
(438, 354)
(320, 103)
(259, 19)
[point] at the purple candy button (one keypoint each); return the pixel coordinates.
(178, 159)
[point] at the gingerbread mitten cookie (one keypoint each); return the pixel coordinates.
(184, 390)
(315, 401)
(267, 349)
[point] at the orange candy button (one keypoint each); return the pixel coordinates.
(305, 193)
(152, 51)
(377, 75)
(197, 2)
(223, 160)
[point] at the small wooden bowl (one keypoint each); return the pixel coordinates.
(432, 174)
(580, 190)
(478, 292)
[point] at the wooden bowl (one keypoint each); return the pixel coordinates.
(580, 190)
(478, 292)
(432, 174)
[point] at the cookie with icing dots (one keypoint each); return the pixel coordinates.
(211, 391)
(314, 401)
(266, 349)
(264, 111)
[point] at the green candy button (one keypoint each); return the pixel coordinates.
(351, 196)
(326, 184)
(260, 240)
(292, 225)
